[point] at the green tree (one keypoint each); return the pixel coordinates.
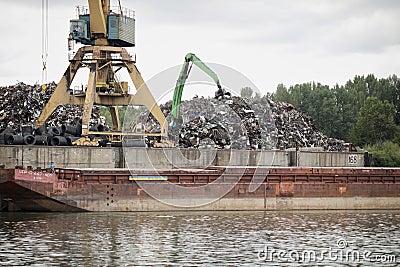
(281, 94)
(375, 122)
(396, 136)
(246, 92)
(346, 117)
(105, 111)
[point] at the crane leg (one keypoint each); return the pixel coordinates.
(89, 100)
(60, 95)
(115, 118)
(145, 97)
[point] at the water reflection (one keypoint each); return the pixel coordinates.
(190, 239)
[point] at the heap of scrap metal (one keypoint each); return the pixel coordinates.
(257, 123)
(206, 122)
(295, 129)
(21, 104)
(204, 132)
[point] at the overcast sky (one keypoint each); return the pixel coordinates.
(270, 42)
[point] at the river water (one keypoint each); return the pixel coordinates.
(366, 238)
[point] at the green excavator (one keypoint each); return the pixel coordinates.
(191, 59)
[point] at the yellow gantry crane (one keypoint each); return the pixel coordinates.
(105, 33)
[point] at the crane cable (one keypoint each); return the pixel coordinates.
(120, 8)
(45, 41)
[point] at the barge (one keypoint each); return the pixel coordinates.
(276, 188)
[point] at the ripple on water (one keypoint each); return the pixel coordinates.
(190, 239)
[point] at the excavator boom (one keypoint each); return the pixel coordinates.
(180, 84)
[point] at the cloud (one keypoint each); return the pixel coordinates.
(289, 40)
(324, 26)
(52, 4)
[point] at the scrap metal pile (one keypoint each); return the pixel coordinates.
(20, 106)
(295, 129)
(237, 123)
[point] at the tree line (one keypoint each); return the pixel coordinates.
(364, 111)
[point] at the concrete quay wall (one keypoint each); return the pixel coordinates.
(133, 157)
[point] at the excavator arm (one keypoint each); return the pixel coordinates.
(180, 84)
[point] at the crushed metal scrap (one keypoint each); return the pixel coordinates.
(222, 122)
(21, 105)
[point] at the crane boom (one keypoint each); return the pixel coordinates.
(99, 9)
(180, 84)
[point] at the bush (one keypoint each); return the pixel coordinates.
(385, 154)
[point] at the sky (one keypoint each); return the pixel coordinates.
(269, 42)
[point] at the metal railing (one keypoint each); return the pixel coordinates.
(125, 12)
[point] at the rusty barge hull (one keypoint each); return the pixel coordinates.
(280, 188)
